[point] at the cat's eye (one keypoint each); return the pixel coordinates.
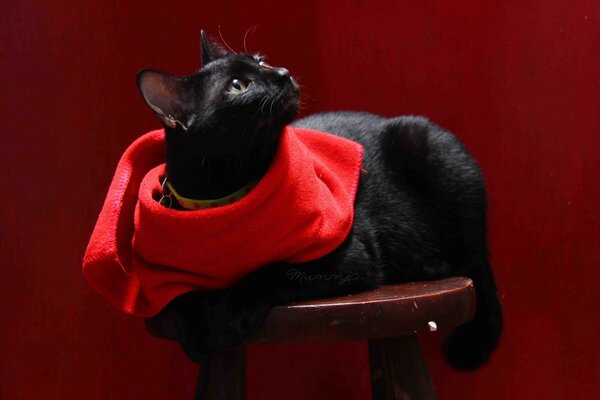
(237, 86)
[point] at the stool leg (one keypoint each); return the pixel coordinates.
(223, 376)
(398, 370)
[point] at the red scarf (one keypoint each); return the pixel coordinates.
(142, 255)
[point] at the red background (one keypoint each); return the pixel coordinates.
(518, 81)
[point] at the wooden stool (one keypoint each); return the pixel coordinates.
(388, 317)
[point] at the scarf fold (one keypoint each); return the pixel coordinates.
(142, 255)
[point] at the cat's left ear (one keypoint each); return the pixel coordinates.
(166, 95)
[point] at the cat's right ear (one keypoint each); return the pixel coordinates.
(165, 95)
(210, 50)
(205, 48)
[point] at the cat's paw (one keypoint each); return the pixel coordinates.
(234, 319)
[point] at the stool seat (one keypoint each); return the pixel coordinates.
(388, 317)
(388, 311)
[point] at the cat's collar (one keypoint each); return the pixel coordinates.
(193, 204)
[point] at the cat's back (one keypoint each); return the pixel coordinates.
(412, 144)
(361, 127)
(414, 166)
(371, 129)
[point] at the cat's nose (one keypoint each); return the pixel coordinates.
(280, 71)
(283, 72)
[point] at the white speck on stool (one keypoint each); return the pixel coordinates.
(432, 326)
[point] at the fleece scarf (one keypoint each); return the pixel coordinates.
(142, 255)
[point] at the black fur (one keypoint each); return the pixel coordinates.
(420, 211)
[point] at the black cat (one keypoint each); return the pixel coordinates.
(420, 210)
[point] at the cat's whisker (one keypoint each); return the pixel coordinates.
(249, 122)
(224, 42)
(253, 29)
(263, 104)
(271, 108)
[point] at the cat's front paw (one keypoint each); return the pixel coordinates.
(234, 318)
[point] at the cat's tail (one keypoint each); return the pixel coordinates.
(470, 345)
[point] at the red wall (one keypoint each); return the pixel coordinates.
(518, 81)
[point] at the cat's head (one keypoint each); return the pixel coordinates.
(235, 106)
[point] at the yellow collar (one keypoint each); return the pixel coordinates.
(193, 204)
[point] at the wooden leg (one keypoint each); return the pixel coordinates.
(223, 376)
(398, 370)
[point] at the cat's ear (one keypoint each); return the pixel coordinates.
(165, 95)
(210, 50)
